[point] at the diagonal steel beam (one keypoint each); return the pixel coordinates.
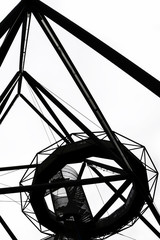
(6, 99)
(29, 78)
(106, 51)
(105, 166)
(108, 183)
(43, 117)
(8, 230)
(10, 36)
(111, 201)
(7, 22)
(80, 83)
(9, 86)
(49, 109)
(8, 109)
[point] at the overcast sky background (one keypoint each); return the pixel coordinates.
(130, 27)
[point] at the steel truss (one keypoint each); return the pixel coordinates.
(20, 17)
(97, 166)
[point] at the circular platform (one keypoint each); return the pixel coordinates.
(84, 151)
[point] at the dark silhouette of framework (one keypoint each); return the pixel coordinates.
(109, 146)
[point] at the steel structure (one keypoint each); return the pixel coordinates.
(79, 148)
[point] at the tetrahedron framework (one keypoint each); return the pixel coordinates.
(70, 216)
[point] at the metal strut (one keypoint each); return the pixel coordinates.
(102, 48)
(80, 83)
(8, 230)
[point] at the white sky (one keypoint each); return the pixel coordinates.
(130, 27)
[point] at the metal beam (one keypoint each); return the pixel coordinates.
(154, 230)
(8, 109)
(105, 166)
(24, 40)
(49, 109)
(108, 183)
(29, 79)
(9, 86)
(8, 230)
(106, 51)
(80, 84)
(5, 96)
(149, 225)
(6, 99)
(10, 36)
(43, 117)
(111, 200)
(19, 167)
(66, 183)
(10, 18)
